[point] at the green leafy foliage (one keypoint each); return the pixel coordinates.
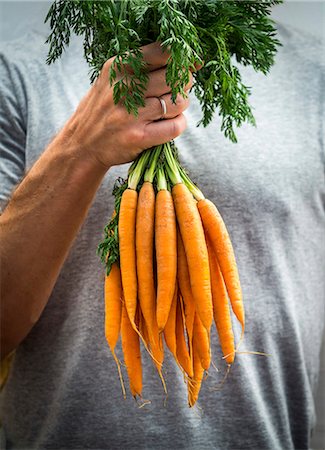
(108, 249)
(218, 33)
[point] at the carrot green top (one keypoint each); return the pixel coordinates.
(194, 31)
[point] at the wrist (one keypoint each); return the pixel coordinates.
(66, 142)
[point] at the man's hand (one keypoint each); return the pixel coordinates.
(109, 134)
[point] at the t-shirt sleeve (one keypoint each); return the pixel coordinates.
(12, 128)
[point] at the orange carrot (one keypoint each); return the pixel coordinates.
(113, 306)
(182, 353)
(170, 333)
(170, 327)
(194, 385)
(126, 230)
(131, 352)
(221, 311)
(166, 253)
(144, 330)
(145, 220)
(193, 238)
(183, 279)
(216, 230)
(113, 312)
(156, 348)
(203, 343)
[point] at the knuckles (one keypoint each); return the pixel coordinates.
(182, 102)
(107, 66)
(176, 131)
(134, 136)
(178, 126)
(190, 83)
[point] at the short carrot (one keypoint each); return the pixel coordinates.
(126, 231)
(194, 385)
(131, 352)
(183, 279)
(182, 353)
(170, 332)
(170, 327)
(113, 306)
(156, 347)
(196, 251)
(221, 311)
(144, 330)
(216, 230)
(113, 313)
(166, 254)
(203, 343)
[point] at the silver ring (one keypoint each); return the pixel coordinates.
(163, 107)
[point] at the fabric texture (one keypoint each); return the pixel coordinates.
(63, 390)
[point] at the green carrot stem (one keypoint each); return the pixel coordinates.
(171, 165)
(137, 169)
(161, 180)
(195, 191)
(150, 172)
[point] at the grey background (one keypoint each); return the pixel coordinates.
(17, 17)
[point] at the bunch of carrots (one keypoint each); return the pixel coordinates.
(175, 273)
(170, 266)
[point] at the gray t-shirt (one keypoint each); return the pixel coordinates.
(63, 391)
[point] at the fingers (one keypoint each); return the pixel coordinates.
(157, 85)
(154, 56)
(156, 59)
(162, 131)
(153, 109)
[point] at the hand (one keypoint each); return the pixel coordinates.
(109, 134)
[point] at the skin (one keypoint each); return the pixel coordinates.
(49, 206)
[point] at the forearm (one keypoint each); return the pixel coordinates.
(36, 231)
